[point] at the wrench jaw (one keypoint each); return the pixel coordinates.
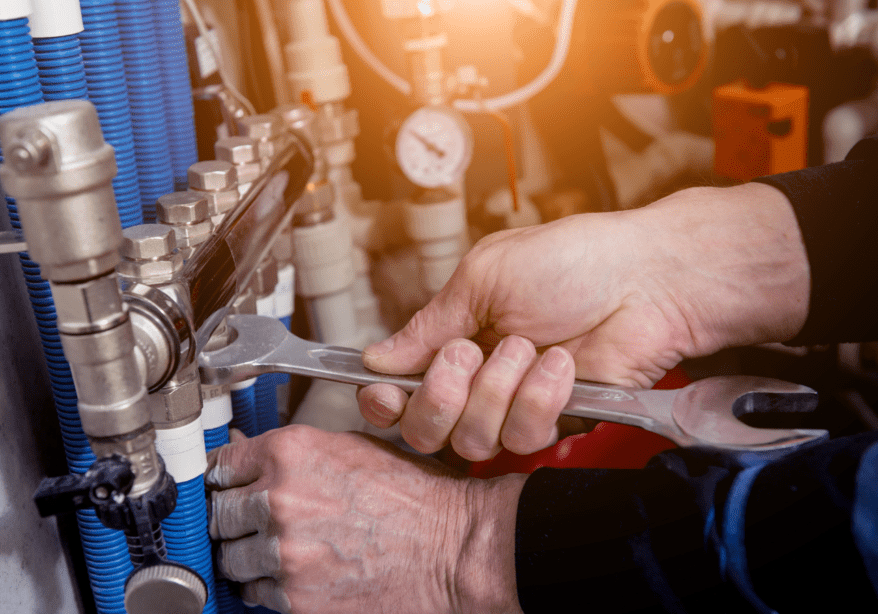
(256, 338)
(708, 411)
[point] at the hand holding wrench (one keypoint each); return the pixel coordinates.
(702, 414)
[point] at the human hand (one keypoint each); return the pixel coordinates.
(337, 523)
(626, 295)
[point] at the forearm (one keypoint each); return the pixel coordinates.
(663, 539)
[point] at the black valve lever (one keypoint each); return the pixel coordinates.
(109, 479)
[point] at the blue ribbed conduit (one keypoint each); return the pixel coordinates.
(186, 535)
(101, 46)
(177, 89)
(106, 551)
(244, 411)
(143, 75)
(59, 60)
(266, 402)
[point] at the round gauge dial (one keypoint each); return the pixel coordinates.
(434, 147)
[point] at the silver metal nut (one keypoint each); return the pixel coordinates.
(147, 241)
(189, 235)
(212, 175)
(152, 271)
(248, 172)
(244, 304)
(263, 126)
(301, 119)
(236, 149)
(182, 208)
(220, 202)
(264, 278)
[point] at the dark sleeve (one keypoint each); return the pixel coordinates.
(694, 533)
(837, 209)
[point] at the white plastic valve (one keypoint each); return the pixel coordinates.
(54, 18)
(15, 9)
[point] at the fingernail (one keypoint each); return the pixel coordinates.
(461, 355)
(553, 363)
(511, 352)
(382, 409)
(380, 349)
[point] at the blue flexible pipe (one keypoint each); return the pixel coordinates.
(106, 551)
(266, 402)
(186, 535)
(143, 75)
(62, 75)
(101, 45)
(177, 89)
(244, 411)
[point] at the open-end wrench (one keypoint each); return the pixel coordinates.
(705, 413)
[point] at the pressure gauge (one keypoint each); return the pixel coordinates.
(434, 147)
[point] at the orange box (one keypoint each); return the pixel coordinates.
(759, 131)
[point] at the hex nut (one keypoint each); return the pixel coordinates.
(265, 149)
(263, 126)
(182, 208)
(189, 235)
(236, 149)
(151, 271)
(212, 176)
(264, 278)
(220, 202)
(248, 172)
(147, 241)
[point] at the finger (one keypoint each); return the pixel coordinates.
(238, 512)
(232, 465)
(236, 435)
(382, 404)
(436, 405)
(531, 423)
(267, 592)
(249, 558)
(477, 434)
(411, 350)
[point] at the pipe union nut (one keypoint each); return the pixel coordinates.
(152, 271)
(182, 208)
(212, 176)
(235, 149)
(148, 241)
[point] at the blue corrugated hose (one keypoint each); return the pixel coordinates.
(186, 535)
(106, 551)
(179, 113)
(143, 75)
(59, 60)
(107, 89)
(244, 411)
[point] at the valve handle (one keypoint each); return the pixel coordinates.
(108, 480)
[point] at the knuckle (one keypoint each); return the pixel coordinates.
(472, 447)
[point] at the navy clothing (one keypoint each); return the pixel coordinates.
(696, 532)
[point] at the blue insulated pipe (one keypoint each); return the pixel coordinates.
(143, 75)
(59, 60)
(107, 89)
(177, 89)
(106, 551)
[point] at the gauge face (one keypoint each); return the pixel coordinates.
(434, 147)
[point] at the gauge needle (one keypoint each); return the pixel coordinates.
(428, 144)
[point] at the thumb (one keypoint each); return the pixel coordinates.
(412, 349)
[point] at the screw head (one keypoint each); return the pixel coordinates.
(29, 151)
(182, 208)
(236, 149)
(212, 175)
(147, 242)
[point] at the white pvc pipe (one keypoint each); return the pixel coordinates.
(522, 94)
(53, 18)
(15, 9)
(182, 449)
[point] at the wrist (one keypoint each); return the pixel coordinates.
(733, 261)
(485, 578)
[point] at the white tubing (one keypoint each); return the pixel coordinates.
(182, 449)
(53, 18)
(216, 412)
(522, 94)
(244, 384)
(15, 9)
